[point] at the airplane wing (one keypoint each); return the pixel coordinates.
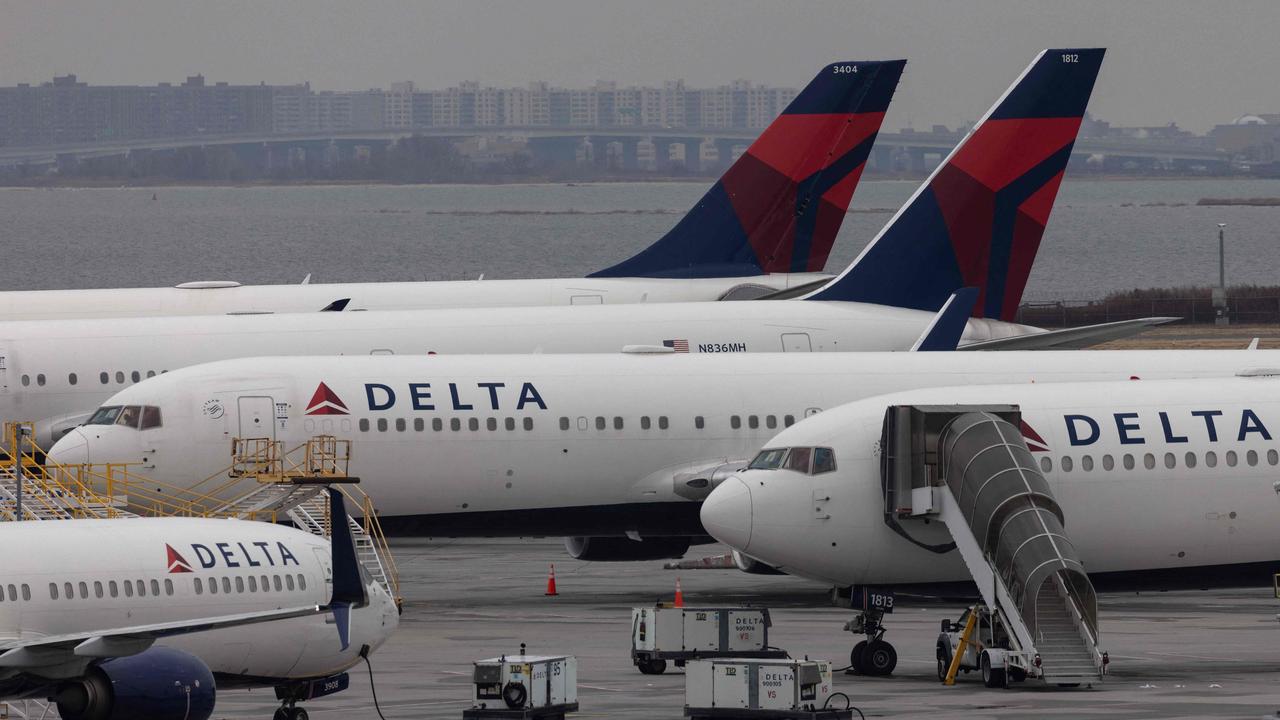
(1072, 338)
(119, 642)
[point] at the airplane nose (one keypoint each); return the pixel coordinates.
(726, 513)
(72, 449)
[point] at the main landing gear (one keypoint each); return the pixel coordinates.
(872, 656)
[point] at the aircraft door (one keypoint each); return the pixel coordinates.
(796, 342)
(257, 416)
(4, 368)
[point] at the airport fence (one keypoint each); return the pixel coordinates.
(1074, 313)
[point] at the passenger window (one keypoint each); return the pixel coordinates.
(798, 459)
(473, 424)
(288, 581)
(168, 586)
(71, 378)
(1108, 463)
(266, 584)
(824, 460)
(419, 424)
(120, 376)
(104, 378)
(84, 590)
(26, 591)
(663, 424)
(509, 424)
(1231, 458)
(491, 423)
(151, 373)
(788, 421)
(226, 586)
(53, 591)
(128, 588)
(437, 424)
(582, 424)
(528, 423)
(26, 380)
(302, 581)
(382, 424)
(1273, 457)
(401, 425)
(253, 584)
(150, 417)
(141, 588)
(1190, 459)
(69, 591)
(564, 423)
(698, 422)
(1046, 465)
(1149, 461)
(753, 421)
(617, 423)
(1251, 457)
(735, 422)
(599, 423)
(275, 581)
(97, 588)
(199, 587)
(135, 376)
(155, 587)
(1086, 463)
(1066, 463)
(1211, 459)
(364, 424)
(239, 584)
(455, 424)
(1170, 460)
(644, 422)
(1128, 461)
(771, 421)
(213, 586)
(40, 379)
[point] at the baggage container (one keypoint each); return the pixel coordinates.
(660, 633)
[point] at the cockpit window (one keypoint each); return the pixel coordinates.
(824, 460)
(129, 416)
(768, 459)
(150, 417)
(798, 459)
(106, 415)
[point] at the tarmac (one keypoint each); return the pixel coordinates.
(1194, 654)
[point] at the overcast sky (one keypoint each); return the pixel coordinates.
(1196, 62)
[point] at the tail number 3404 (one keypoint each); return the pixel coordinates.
(843, 69)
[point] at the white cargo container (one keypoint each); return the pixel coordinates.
(760, 688)
(524, 686)
(662, 632)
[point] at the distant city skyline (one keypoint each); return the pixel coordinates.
(1184, 61)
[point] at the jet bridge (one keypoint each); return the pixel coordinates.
(969, 467)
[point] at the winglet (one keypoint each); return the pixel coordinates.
(348, 585)
(944, 333)
(779, 206)
(978, 220)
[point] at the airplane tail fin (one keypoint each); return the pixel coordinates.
(779, 206)
(977, 221)
(348, 586)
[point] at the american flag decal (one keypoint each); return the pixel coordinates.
(680, 346)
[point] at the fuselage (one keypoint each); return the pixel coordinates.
(557, 445)
(218, 298)
(1160, 481)
(91, 576)
(55, 373)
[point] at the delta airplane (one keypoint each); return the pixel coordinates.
(597, 447)
(768, 224)
(1007, 171)
(150, 617)
(1162, 483)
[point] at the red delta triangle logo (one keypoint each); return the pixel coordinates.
(1035, 443)
(177, 563)
(326, 402)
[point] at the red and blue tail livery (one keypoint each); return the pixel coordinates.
(778, 208)
(978, 220)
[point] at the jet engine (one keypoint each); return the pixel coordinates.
(159, 684)
(616, 549)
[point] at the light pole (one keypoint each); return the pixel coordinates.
(1220, 292)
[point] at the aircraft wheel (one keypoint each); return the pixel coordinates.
(992, 677)
(282, 714)
(879, 658)
(855, 657)
(300, 714)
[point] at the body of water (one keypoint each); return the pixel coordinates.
(1103, 235)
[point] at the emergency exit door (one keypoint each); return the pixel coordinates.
(257, 417)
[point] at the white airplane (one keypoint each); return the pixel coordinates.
(55, 373)
(590, 446)
(150, 617)
(1151, 484)
(768, 224)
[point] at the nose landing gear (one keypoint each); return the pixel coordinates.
(873, 656)
(291, 712)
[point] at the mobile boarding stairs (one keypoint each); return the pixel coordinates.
(969, 467)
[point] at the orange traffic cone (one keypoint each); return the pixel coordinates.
(551, 581)
(679, 595)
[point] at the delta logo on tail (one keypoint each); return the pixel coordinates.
(778, 208)
(177, 563)
(978, 220)
(326, 402)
